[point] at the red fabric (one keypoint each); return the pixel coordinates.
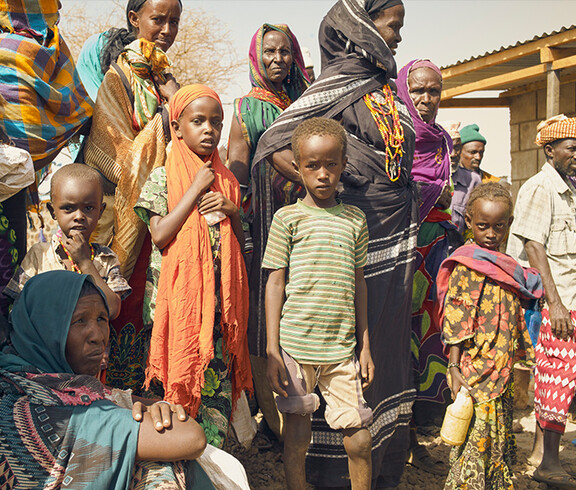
(554, 377)
(182, 337)
(436, 215)
(267, 96)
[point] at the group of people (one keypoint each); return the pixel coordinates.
(343, 266)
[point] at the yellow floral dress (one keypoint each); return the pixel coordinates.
(488, 321)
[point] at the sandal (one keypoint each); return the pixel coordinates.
(420, 458)
(559, 479)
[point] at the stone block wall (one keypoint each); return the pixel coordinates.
(526, 111)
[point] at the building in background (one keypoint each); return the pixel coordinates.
(536, 79)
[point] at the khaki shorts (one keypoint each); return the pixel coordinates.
(340, 385)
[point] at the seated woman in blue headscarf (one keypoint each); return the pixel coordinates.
(59, 426)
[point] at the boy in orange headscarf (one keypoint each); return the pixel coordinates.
(198, 348)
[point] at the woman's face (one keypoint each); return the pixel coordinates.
(88, 335)
(277, 57)
(425, 88)
(157, 21)
(388, 22)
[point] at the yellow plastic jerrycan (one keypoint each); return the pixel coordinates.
(457, 419)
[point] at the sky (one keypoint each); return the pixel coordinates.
(444, 31)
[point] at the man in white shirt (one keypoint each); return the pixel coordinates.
(543, 235)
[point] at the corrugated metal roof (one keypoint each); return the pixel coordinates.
(519, 43)
(511, 66)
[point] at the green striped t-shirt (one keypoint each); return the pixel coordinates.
(321, 249)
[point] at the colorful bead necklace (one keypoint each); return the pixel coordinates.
(73, 264)
(75, 268)
(393, 136)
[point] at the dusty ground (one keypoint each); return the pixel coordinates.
(265, 469)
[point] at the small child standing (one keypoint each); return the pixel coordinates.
(480, 291)
(316, 307)
(76, 203)
(199, 348)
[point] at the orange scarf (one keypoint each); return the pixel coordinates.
(182, 337)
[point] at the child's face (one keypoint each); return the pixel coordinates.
(489, 222)
(200, 125)
(320, 166)
(77, 206)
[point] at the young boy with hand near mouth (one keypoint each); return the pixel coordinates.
(76, 204)
(316, 307)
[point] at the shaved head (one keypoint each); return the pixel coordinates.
(78, 172)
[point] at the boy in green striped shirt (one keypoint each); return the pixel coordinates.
(316, 307)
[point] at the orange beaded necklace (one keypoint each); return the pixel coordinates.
(392, 135)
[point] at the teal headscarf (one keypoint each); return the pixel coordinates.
(41, 319)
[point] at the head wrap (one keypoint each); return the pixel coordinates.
(42, 101)
(182, 342)
(471, 133)
(451, 128)
(32, 17)
(296, 81)
(348, 28)
(374, 6)
(355, 61)
(433, 144)
(555, 128)
(41, 319)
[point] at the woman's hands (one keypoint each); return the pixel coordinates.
(161, 413)
(168, 87)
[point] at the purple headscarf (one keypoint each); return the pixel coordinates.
(433, 144)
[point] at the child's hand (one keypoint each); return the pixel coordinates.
(276, 373)
(367, 368)
(204, 177)
(78, 248)
(216, 201)
(456, 382)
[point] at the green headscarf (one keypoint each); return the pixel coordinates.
(41, 319)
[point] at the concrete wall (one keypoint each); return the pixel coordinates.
(526, 111)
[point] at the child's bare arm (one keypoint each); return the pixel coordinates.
(276, 370)
(163, 229)
(80, 253)
(216, 201)
(457, 381)
(362, 335)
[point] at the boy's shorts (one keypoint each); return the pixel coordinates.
(341, 388)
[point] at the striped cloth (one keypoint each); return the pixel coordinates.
(322, 248)
(42, 100)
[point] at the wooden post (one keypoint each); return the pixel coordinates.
(548, 56)
(552, 91)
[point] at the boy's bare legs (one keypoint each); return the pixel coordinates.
(297, 434)
(358, 445)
